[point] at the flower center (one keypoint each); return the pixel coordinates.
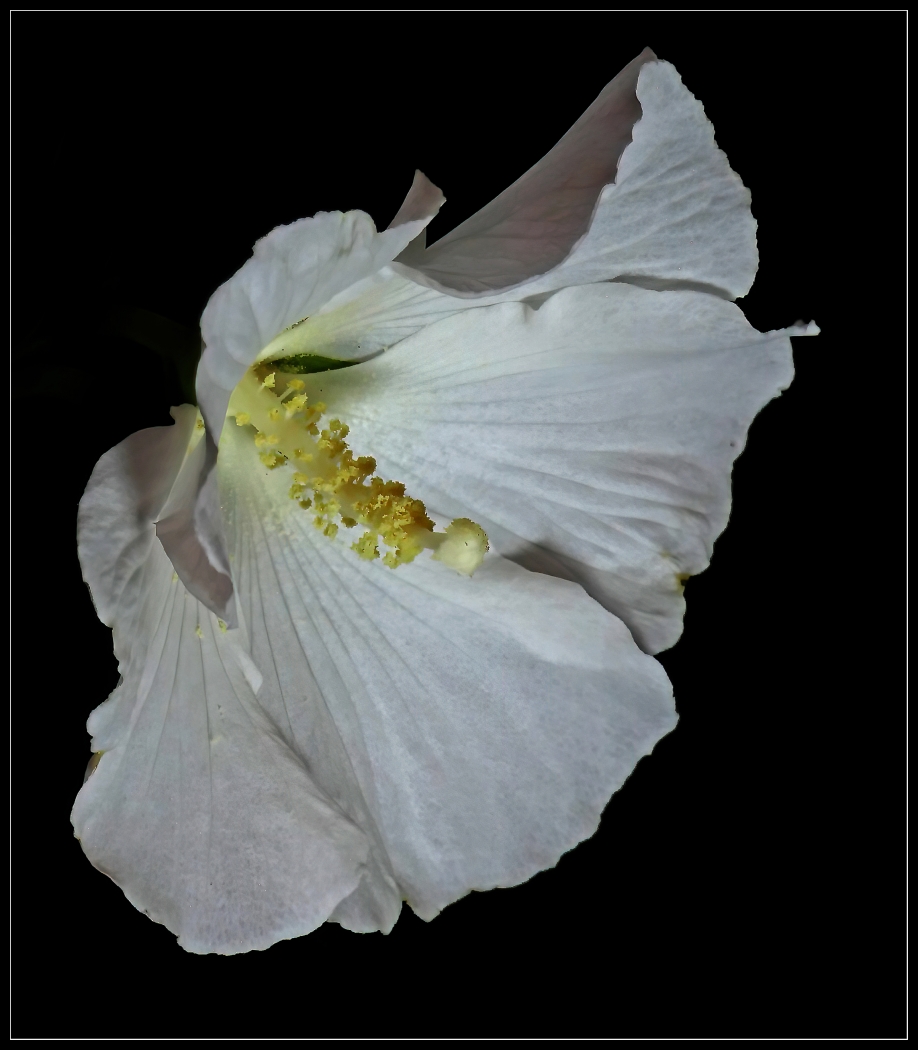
(336, 487)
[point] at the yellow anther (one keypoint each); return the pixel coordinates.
(198, 631)
(199, 424)
(345, 491)
(222, 626)
(332, 445)
(366, 546)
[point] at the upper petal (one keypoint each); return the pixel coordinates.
(677, 211)
(591, 438)
(293, 271)
(674, 212)
(530, 227)
(474, 728)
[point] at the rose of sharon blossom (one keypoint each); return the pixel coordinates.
(385, 631)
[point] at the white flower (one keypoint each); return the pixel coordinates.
(318, 720)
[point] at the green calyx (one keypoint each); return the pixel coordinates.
(302, 364)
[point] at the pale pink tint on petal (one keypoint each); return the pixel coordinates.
(126, 492)
(197, 553)
(423, 201)
(533, 225)
(148, 486)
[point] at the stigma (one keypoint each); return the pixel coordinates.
(335, 487)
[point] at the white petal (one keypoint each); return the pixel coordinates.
(532, 226)
(676, 216)
(370, 316)
(591, 438)
(156, 475)
(127, 491)
(423, 201)
(676, 212)
(475, 728)
(293, 271)
(190, 529)
(198, 809)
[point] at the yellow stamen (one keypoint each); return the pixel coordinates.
(344, 487)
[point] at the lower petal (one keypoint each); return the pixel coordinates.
(198, 809)
(474, 727)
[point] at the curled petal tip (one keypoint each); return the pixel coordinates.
(424, 200)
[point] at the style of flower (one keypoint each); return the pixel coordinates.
(385, 631)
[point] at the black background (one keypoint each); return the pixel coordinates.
(749, 878)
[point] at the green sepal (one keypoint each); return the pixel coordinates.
(302, 364)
